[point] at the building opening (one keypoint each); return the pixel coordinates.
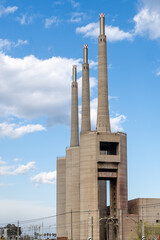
(109, 148)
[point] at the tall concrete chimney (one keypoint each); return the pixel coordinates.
(74, 111)
(85, 122)
(103, 122)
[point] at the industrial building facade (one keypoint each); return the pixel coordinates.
(98, 157)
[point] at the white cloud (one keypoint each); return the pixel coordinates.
(32, 88)
(50, 21)
(116, 122)
(90, 30)
(113, 33)
(5, 170)
(14, 171)
(147, 20)
(93, 111)
(16, 160)
(77, 17)
(93, 83)
(158, 74)
(14, 131)
(21, 42)
(6, 44)
(93, 64)
(44, 178)
(24, 19)
(1, 161)
(58, 3)
(22, 169)
(74, 3)
(7, 10)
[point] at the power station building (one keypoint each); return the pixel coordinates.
(92, 160)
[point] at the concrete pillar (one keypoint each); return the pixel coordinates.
(88, 185)
(122, 186)
(72, 193)
(74, 111)
(61, 197)
(85, 123)
(103, 123)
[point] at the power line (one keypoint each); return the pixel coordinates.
(45, 218)
(73, 212)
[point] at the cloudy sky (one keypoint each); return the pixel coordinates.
(39, 42)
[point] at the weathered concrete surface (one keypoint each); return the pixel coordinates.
(101, 157)
(85, 122)
(74, 111)
(103, 122)
(61, 197)
(72, 193)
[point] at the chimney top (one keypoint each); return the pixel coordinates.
(85, 46)
(101, 15)
(102, 24)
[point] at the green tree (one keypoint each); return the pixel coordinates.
(150, 231)
(12, 230)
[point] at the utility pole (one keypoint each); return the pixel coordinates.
(138, 225)
(42, 230)
(143, 236)
(89, 223)
(107, 230)
(18, 230)
(6, 233)
(152, 228)
(71, 224)
(92, 227)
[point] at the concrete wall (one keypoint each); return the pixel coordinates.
(61, 197)
(72, 193)
(85, 122)
(74, 116)
(103, 122)
(122, 186)
(113, 167)
(129, 226)
(88, 185)
(151, 209)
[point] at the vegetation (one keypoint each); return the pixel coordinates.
(12, 230)
(152, 232)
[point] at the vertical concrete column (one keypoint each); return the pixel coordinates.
(61, 197)
(72, 193)
(74, 111)
(103, 123)
(122, 186)
(85, 122)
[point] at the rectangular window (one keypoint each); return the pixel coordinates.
(109, 148)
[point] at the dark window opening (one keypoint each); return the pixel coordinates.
(109, 148)
(106, 170)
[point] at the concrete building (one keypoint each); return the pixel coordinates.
(98, 157)
(101, 156)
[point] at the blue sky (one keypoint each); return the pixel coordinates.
(39, 42)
